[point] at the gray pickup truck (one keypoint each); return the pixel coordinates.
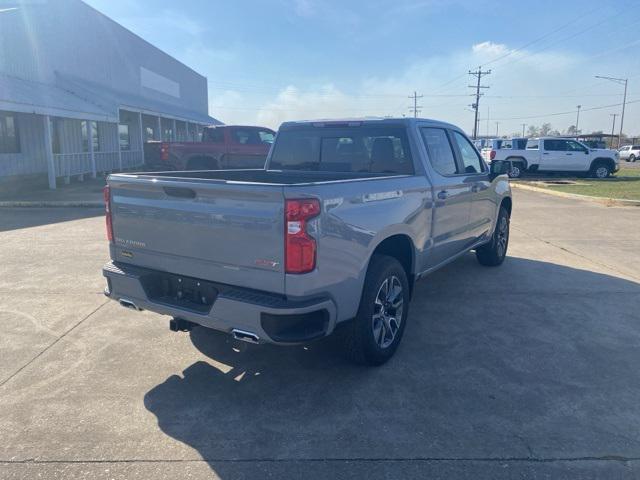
(334, 232)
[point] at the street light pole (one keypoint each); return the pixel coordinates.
(578, 120)
(523, 125)
(619, 81)
(613, 127)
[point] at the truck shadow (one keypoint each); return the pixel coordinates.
(489, 364)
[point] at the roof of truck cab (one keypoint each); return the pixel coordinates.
(372, 121)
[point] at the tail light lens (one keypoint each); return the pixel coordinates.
(164, 152)
(492, 155)
(107, 211)
(300, 247)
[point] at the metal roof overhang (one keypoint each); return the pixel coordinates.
(26, 96)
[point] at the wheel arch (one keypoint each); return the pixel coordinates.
(518, 159)
(599, 160)
(401, 247)
(507, 203)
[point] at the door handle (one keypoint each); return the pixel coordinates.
(546, 153)
(443, 195)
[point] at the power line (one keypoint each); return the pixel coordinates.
(478, 74)
(570, 112)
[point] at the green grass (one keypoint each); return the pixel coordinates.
(627, 172)
(618, 188)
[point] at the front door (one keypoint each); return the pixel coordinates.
(452, 198)
(483, 205)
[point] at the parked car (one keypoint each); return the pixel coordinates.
(336, 229)
(508, 149)
(555, 154)
(221, 147)
(629, 153)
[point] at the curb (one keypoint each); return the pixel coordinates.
(51, 204)
(609, 202)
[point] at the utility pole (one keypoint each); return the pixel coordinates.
(613, 127)
(497, 123)
(619, 81)
(578, 119)
(478, 74)
(523, 125)
(416, 108)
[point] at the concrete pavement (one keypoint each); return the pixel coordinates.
(524, 371)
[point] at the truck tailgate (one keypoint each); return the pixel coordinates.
(230, 233)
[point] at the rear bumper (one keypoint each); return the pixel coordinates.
(273, 318)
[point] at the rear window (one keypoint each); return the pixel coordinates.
(635, 147)
(348, 149)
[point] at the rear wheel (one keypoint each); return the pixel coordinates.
(493, 253)
(517, 169)
(631, 158)
(373, 336)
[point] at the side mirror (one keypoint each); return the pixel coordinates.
(499, 167)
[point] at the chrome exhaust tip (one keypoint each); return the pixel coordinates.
(126, 303)
(245, 336)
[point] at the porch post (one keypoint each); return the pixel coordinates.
(141, 138)
(159, 135)
(92, 154)
(48, 151)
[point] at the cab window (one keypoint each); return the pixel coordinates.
(439, 150)
(471, 161)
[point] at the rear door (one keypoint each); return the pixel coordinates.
(231, 233)
(554, 155)
(452, 197)
(248, 147)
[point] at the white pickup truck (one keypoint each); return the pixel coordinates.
(554, 154)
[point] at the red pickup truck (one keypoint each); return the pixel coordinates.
(221, 147)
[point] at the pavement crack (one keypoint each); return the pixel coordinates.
(67, 332)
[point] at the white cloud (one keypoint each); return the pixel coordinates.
(489, 48)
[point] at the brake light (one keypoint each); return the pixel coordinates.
(300, 247)
(164, 152)
(492, 155)
(107, 211)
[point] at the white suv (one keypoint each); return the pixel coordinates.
(630, 153)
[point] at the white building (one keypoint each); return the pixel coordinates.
(80, 94)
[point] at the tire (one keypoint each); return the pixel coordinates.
(374, 335)
(517, 169)
(600, 170)
(493, 253)
(632, 158)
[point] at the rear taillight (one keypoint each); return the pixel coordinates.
(107, 212)
(164, 152)
(492, 155)
(300, 247)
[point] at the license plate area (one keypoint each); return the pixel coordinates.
(179, 291)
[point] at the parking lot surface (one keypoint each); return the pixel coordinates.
(526, 370)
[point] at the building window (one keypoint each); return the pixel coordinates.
(149, 134)
(9, 137)
(124, 137)
(95, 137)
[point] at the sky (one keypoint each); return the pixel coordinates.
(277, 60)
